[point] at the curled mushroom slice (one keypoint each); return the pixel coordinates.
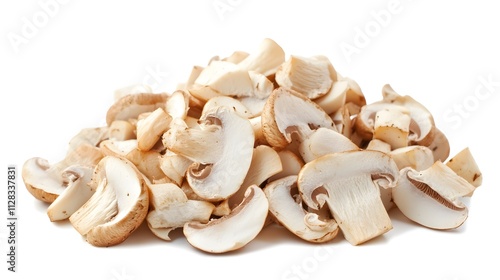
(310, 76)
(280, 118)
(46, 182)
(266, 60)
(349, 183)
(131, 106)
(324, 141)
(74, 195)
(432, 197)
(466, 167)
(233, 231)
(172, 209)
(221, 151)
(118, 206)
(291, 214)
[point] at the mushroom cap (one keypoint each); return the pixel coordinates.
(233, 231)
(118, 206)
(291, 214)
(288, 112)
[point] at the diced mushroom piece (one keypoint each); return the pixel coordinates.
(118, 206)
(177, 105)
(378, 145)
(233, 231)
(291, 214)
(432, 197)
(280, 119)
(46, 182)
(335, 98)
(225, 78)
(324, 141)
(466, 167)
(221, 151)
(291, 163)
(151, 128)
(393, 127)
(416, 157)
(229, 102)
(121, 130)
(172, 209)
(310, 76)
(349, 183)
(131, 106)
(266, 60)
(175, 166)
(265, 163)
(132, 89)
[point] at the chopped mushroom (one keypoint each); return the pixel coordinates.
(349, 183)
(118, 206)
(131, 106)
(466, 167)
(233, 231)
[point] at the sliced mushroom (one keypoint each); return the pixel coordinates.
(349, 183)
(132, 89)
(291, 163)
(466, 167)
(324, 141)
(291, 214)
(131, 106)
(280, 118)
(121, 130)
(175, 166)
(46, 182)
(332, 101)
(221, 151)
(266, 60)
(229, 102)
(91, 136)
(392, 126)
(378, 145)
(254, 105)
(118, 206)
(151, 128)
(236, 57)
(172, 209)
(77, 192)
(177, 105)
(233, 231)
(432, 197)
(416, 157)
(310, 76)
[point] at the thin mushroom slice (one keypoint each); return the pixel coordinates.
(393, 127)
(349, 183)
(432, 197)
(286, 113)
(151, 128)
(416, 157)
(233, 231)
(266, 60)
(121, 130)
(324, 141)
(332, 101)
(229, 102)
(118, 206)
(177, 105)
(131, 106)
(466, 167)
(291, 164)
(221, 151)
(291, 214)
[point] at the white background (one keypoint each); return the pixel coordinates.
(60, 77)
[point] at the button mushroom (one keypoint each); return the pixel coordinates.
(349, 183)
(118, 206)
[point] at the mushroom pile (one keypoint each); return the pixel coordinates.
(253, 139)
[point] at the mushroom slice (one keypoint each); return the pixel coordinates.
(91, 136)
(349, 183)
(221, 151)
(225, 78)
(131, 106)
(151, 128)
(172, 209)
(265, 163)
(354, 94)
(177, 105)
(416, 157)
(291, 164)
(439, 145)
(121, 130)
(280, 118)
(132, 89)
(260, 139)
(266, 60)
(291, 214)
(378, 145)
(253, 104)
(233, 231)
(46, 182)
(311, 76)
(324, 141)
(175, 166)
(335, 98)
(466, 167)
(393, 127)
(74, 195)
(229, 102)
(118, 206)
(432, 197)
(236, 57)
(365, 120)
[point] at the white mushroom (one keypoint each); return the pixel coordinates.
(175, 166)
(335, 98)
(291, 214)
(229, 102)
(172, 209)
(233, 231)
(432, 197)
(131, 106)
(291, 163)
(392, 126)
(349, 183)
(151, 128)
(177, 105)
(416, 157)
(118, 206)
(221, 151)
(121, 130)
(324, 141)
